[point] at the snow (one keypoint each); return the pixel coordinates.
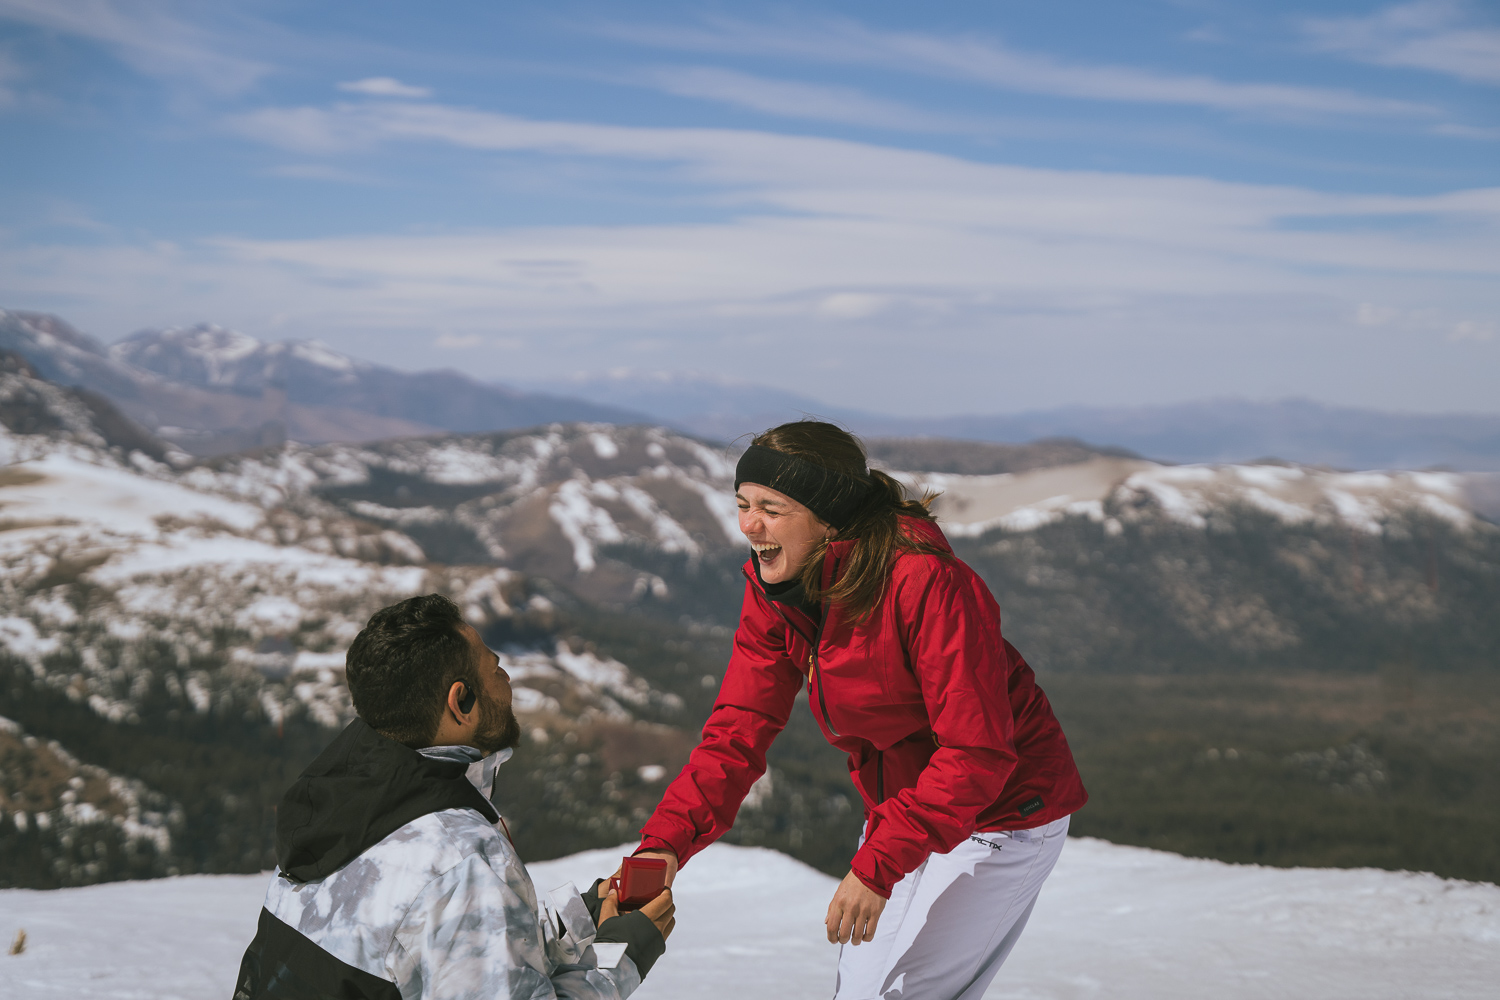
(20, 637)
(582, 523)
(232, 553)
(609, 675)
(604, 445)
(720, 503)
(318, 353)
(1116, 922)
(969, 506)
(70, 490)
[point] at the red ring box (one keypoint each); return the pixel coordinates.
(640, 881)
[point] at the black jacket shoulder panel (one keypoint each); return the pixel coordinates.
(282, 964)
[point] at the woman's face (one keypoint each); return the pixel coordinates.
(782, 532)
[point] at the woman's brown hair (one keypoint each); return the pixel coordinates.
(875, 526)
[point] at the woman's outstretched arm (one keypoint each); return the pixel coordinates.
(760, 686)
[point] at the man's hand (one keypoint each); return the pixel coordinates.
(610, 907)
(661, 911)
(854, 912)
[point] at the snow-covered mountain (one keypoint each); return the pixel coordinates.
(140, 594)
(311, 373)
(213, 391)
(1111, 921)
(156, 612)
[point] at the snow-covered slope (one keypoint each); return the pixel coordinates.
(1113, 922)
(1135, 489)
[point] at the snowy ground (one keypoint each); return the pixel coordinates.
(1115, 922)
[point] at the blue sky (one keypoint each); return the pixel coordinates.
(925, 208)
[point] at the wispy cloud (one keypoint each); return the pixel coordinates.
(10, 72)
(147, 36)
(990, 62)
(794, 99)
(831, 178)
(1437, 35)
(320, 172)
(384, 86)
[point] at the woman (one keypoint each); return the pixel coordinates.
(966, 777)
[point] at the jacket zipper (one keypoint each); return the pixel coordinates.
(812, 658)
(813, 673)
(879, 776)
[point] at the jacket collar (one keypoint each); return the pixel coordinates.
(362, 789)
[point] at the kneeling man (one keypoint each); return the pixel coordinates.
(394, 880)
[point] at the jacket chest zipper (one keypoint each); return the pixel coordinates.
(814, 672)
(814, 675)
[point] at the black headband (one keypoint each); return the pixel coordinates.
(834, 497)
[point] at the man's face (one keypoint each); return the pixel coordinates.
(498, 727)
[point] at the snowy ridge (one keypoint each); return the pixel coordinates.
(206, 354)
(241, 586)
(1111, 922)
(1119, 491)
(593, 485)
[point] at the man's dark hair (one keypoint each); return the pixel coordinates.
(402, 664)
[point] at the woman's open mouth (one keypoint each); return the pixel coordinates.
(766, 551)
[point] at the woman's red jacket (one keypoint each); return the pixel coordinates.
(946, 729)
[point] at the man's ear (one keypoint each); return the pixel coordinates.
(459, 695)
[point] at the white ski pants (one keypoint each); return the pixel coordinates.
(950, 924)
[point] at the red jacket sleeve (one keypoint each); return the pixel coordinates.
(760, 686)
(951, 630)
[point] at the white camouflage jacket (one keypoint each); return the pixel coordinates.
(441, 908)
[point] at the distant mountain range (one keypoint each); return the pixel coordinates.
(1223, 430)
(213, 391)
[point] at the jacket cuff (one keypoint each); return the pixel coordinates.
(867, 872)
(651, 842)
(643, 942)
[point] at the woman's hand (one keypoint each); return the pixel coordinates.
(668, 856)
(662, 911)
(854, 912)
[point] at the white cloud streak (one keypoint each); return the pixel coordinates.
(146, 36)
(850, 249)
(990, 62)
(384, 86)
(836, 179)
(792, 99)
(1435, 35)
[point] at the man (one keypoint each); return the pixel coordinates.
(393, 879)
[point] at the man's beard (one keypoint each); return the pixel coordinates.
(498, 729)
